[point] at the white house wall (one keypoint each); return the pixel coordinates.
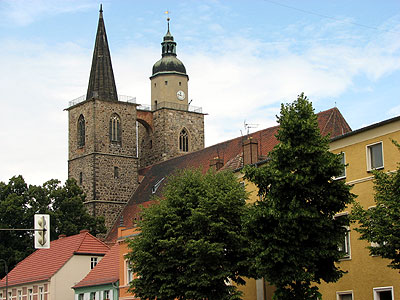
(77, 267)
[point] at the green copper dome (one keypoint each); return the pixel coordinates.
(168, 62)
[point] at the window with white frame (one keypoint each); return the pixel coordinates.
(343, 161)
(30, 294)
(93, 262)
(129, 272)
(81, 296)
(106, 294)
(41, 294)
(375, 244)
(383, 293)
(344, 245)
(348, 295)
(375, 156)
(19, 293)
(9, 295)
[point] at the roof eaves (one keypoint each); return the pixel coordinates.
(89, 253)
(97, 282)
(20, 282)
(369, 127)
(257, 164)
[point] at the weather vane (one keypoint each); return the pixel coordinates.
(167, 12)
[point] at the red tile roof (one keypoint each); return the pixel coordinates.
(44, 263)
(106, 271)
(329, 121)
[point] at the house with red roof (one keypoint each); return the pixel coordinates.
(49, 274)
(102, 281)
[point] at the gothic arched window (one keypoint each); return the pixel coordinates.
(115, 129)
(81, 131)
(184, 141)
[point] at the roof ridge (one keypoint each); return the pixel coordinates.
(83, 238)
(327, 121)
(114, 251)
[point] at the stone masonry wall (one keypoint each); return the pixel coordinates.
(168, 123)
(109, 169)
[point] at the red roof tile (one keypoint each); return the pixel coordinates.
(44, 263)
(106, 271)
(329, 121)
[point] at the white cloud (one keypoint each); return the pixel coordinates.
(394, 111)
(22, 13)
(234, 78)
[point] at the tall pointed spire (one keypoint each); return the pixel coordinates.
(101, 80)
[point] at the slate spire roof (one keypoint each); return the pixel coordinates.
(101, 80)
(44, 263)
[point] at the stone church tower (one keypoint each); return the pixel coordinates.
(102, 138)
(172, 127)
(103, 130)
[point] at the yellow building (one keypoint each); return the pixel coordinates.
(365, 149)
(368, 276)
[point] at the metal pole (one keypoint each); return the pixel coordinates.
(6, 269)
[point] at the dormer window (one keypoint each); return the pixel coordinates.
(156, 186)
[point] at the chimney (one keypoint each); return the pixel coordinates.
(216, 163)
(121, 226)
(61, 236)
(250, 151)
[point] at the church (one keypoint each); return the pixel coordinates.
(120, 152)
(111, 138)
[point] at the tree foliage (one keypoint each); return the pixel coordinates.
(294, 235)
(381, 224)
(191, 244)
(20, 202)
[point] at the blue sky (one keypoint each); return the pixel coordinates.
(243, 58)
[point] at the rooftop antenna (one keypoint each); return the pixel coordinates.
(247, 126)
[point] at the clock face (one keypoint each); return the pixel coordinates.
(180, 95)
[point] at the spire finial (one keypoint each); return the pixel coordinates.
(167, 12)
(101, 7)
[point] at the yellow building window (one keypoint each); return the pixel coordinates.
(375, 156)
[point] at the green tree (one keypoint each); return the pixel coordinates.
(381, 224)
(191, 244)
(294, 235)
(20, 202)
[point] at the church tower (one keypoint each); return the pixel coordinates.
(175, 127)
(102, 138)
